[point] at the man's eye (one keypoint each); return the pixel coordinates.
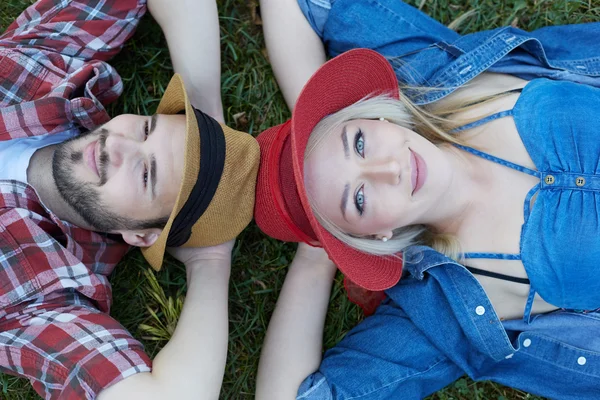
(359, 143)
(359, 200)
(146, 130)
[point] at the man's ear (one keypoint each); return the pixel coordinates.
(144, 238)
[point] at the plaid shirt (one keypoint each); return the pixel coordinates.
(54, 290)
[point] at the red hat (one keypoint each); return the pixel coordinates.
(282, 209)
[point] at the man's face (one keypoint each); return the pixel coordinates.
(126, 174)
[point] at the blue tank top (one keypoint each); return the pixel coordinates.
(559, 124)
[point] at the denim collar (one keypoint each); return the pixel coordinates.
(418, 259)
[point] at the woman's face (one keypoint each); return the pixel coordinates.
(370, 177)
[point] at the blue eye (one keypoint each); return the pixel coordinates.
(145, 176)
(359, 200)
(359, 143)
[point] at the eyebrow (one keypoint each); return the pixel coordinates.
(153, 175)
(152, 123)
(345, 142)
(344, 202)
(153, 120)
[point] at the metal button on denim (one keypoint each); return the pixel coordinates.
(581, 360)
(526, 342)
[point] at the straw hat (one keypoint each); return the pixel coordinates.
(216, 197)
(282, 208)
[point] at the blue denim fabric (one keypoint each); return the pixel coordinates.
(559, 247)
(438, 324)
(426, 53)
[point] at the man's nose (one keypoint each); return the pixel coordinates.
(119, 147)
(384, 171)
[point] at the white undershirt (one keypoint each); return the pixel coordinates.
(15, 154)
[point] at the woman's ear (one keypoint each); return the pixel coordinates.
(384, 236)
(143, 238)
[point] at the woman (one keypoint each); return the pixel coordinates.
(498, 175)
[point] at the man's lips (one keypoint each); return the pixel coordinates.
(90, 157)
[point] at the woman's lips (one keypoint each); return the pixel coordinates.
(418, 173)
(90, 157)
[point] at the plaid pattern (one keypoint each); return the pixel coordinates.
(54, 291)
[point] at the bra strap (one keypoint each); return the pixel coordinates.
(477, 271)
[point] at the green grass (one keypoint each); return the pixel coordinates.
(259, 262)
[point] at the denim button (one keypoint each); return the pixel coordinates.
(480, 310)
(580, 181)
(526, 342)
(581, 361)
(549, 179)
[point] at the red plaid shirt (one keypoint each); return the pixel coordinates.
(54, 290)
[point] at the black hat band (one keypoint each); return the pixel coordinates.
(212, 163)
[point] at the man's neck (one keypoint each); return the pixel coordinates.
(40, 176)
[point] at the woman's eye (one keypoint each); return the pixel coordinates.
(145, 176)
(359, 200)
(359, 143)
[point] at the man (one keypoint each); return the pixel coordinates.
(67, 171)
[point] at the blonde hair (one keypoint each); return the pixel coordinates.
(432, 126)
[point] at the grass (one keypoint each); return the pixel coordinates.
(147, 303)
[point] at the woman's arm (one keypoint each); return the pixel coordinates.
(192, 364)
(295, 50)
(293, 345)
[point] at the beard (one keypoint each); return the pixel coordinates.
(84, 197)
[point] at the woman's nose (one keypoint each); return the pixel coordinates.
(385, 171)
(118, 148)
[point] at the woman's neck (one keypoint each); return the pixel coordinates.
(465, 195)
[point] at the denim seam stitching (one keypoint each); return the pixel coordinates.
(312, 388)
(399, 380)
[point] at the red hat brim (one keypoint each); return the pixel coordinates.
(340, 82)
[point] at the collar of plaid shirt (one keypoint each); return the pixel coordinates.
(41, 83)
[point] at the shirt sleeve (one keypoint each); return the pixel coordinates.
(67, 348)
(417, 45)
(87, 30)
(385, 356)
(53, 69)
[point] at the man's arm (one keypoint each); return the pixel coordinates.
(191, 365)
(295, 50)
(292, 347)
(192, 31)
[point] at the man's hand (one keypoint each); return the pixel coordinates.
(314, 255)
(194, 255)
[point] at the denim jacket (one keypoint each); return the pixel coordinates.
(426, 53)
(438, 324)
